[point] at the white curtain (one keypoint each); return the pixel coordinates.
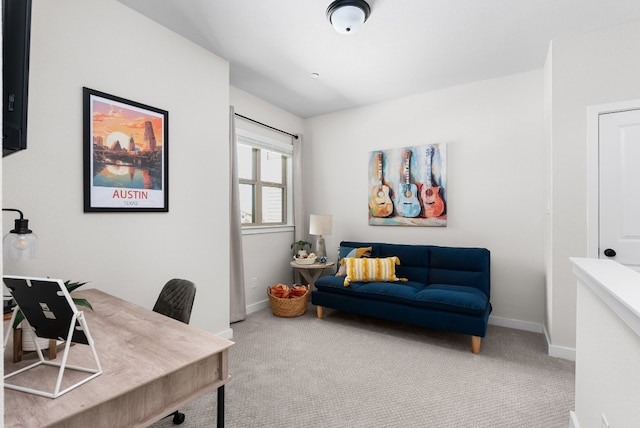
(299, 215)
(238, 307)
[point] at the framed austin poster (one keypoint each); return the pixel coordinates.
(126, 162)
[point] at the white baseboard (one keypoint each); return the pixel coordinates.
(573, 420)
(559, 351)
(553, 350)
(516, 324)
(226, 334)
(257, 306)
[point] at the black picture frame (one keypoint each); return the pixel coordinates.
(130, 175)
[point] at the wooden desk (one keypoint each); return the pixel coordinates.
(152, 365)
(309, 272)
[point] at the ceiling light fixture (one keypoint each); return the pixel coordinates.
(347, 16)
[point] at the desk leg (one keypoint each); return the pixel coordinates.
(221, 406)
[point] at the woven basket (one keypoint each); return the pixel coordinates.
(288, 308)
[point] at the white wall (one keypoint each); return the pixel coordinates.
(1, 261)
(266, 255)
(497, 166)
(496, 175)
(106, 46)
(548, 261)
(592, 68)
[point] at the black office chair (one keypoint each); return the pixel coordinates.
(175, 301)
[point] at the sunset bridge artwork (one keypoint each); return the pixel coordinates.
(126, 160)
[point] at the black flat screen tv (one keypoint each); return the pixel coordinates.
(16, 35)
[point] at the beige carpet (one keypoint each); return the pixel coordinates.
(352, 371)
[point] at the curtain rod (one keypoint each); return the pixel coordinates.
(265, 125)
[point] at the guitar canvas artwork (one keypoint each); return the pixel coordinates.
(407, 186)
(380, 204)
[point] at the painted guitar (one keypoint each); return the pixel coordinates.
(408, 204)
(380, 203)
(433, 205)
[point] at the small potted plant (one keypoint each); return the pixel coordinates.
(300, 247)
(25, 336)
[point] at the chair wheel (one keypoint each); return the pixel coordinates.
(178, 418)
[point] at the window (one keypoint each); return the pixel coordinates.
(264, 172)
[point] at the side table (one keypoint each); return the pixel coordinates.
(310, 272)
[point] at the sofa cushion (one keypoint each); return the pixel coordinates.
(461, 266)
(411, 255)
(450, 298)
(402, 291)
(329, 283)
(367, 270)
(457, 298)
(345, 252)
(414, 258)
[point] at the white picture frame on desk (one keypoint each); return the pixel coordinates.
(50, 312)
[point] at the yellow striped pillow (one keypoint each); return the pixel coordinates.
(368, 270)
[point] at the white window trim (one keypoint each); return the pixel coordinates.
(262, 142)
(260, 230)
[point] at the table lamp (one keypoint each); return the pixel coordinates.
(320, 225)
(20, 242)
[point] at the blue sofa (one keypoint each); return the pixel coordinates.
(446, 288)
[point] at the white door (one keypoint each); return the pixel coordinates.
(619, 187)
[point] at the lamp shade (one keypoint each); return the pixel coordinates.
(320, 224)
(347, 16)
(20, 242)
(19, 246)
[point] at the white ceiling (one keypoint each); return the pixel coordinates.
(406, 46)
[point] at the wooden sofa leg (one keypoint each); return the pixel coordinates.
(319, 312)
(475, 344)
